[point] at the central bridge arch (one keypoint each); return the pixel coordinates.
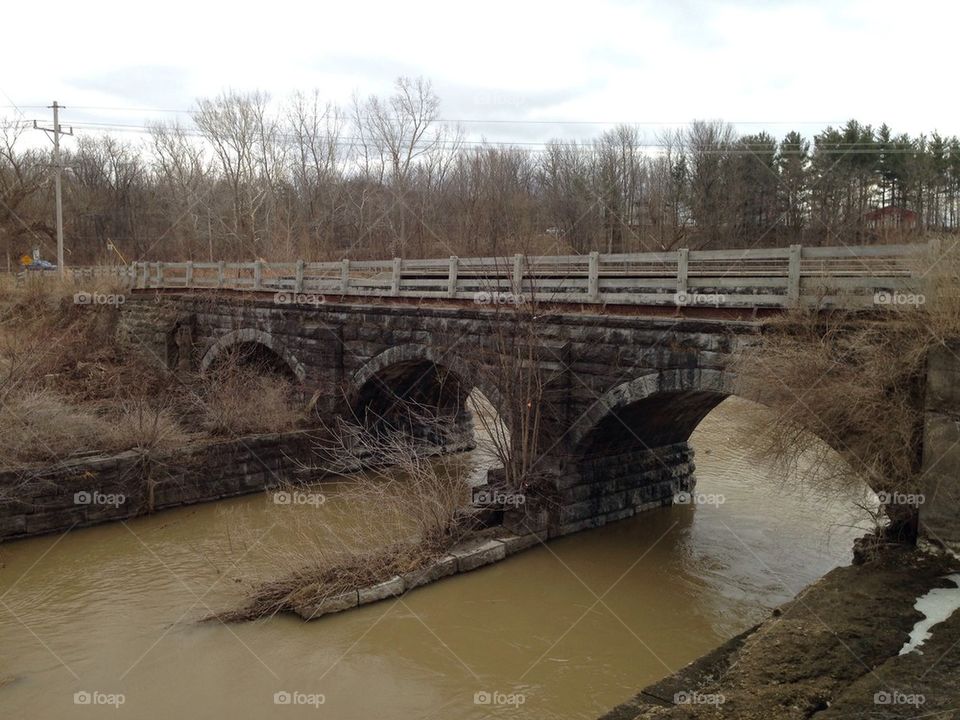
(422, 391)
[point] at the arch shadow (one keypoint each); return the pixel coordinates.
(420, 390)
(260, 338)
(408, 355)
(653, 410)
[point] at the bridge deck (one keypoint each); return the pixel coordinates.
(848, 276)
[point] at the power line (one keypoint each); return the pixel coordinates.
(827, 148)
(471, 121)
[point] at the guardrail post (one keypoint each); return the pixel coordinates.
(344, 276)
(188, 274)
(793, 276)
(452, 277)
(593, 277)
(517, 274)
(683, 261)
(257, 275)
(395, 282)
(298, 282)
(932, 274)
(221, 274)
(159, 274)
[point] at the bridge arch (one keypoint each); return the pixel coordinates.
(412, 374)
(659, 408)
(400, 356)
(630, 450)
(254, 337)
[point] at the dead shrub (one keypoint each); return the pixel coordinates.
(240, 399)
(396, 510)
(148, 429)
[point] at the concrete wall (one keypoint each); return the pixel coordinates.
(87, 491)
(940, 513)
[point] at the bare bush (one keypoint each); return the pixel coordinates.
(239, 399)
(148, 429)
(855, 382)
(397, 509)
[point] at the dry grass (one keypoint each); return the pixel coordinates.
(145, 428)
(67, 388)
(41, 426)
(405, 509)
(239, 399)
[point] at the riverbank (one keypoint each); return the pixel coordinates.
(831, 653)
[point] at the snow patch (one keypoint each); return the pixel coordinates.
(936, 606)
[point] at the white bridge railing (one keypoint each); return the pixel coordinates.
(765, 277)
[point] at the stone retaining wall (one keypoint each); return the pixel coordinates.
(87, 491)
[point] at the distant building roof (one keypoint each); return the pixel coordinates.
(890, 211)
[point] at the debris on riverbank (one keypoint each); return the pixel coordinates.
(830, 653)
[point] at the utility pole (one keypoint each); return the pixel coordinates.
(56, 132)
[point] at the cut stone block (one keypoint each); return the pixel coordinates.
(447, 565)
(381, 591)
(472, 555)
(515, 543)
(325, 606)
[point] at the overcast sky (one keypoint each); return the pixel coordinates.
(761, 65)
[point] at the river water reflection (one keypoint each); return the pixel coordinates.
(571, 629)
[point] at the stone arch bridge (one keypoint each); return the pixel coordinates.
(618, 395)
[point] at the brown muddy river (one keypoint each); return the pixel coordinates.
(111, 611)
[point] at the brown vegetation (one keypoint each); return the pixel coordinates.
(246, 177)
(67, 388)
(396, 509)
(236, 398)
(854, 385)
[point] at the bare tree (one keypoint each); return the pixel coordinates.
(23, 177)
(243, 135)
(183, 183)
(316, 163)
(707, 148)
(395, 134)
